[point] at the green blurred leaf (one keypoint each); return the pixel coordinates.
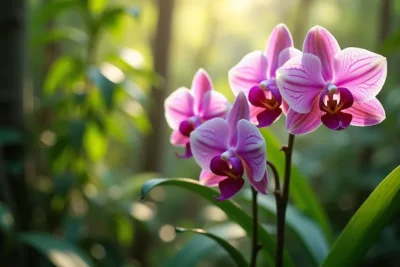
(63, 183)
(124, 229)
(64, 72)
(6, 219)
(59, 251)
(53, 9)
(301, 193)
(111, 15)
(391, 44)
(200, 246)
(61, 34)
(106, 87)
(96, 6)
(95, 143)
(58, 148)
(10, 136)
(232, 251)
(366, 225)
(306, 230)
(76, 132)
(232, 210)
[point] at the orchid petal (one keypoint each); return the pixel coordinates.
(210, 179)
(261, 186)
(298, 123)
(285, 107)
(240, 110)
(250, 71)
(279, 39)
(178, 139)
(367, 114)
(268, 116)
(287, 54)
(229, 187)
(258, 96)
(201, 84)
(362, 72)
(251, 149)
(320, 42)
(187, 154)
(254, 111)
(207, 141)
(300, 82)
(214, 105)
(337, 121)
(178, 107)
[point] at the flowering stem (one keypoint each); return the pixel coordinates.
(256, 246)
(282, 198)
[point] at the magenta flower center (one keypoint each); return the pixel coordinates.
(231, 168)
(333, 101)
(188, 126)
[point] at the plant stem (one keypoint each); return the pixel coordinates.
(282, 200)
(256, 246)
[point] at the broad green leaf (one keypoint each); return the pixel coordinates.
(232, 210)
(366, 225)
(59, 251)
(62, 34)
(10, 136)
(6, 219)
(111, 15)
(124, 229)
(301, 193)
(306, 230)
(53, 9)
(96, 6)
(95, 143)
(106, 86)
(64, 72)
(200, 246)
(232, 251)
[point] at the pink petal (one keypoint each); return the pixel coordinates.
(210, 179)
(279, 39)
(367, 114)
(287, 54)
(251, 148)
(207, 141)
(360, 71)
(254, 111)
(187, 154)
(229, 187)
(320, 42)
(300, 82)
(240, 110)
(214, 105)
(297, 123)
(178, 107)
(261, 186)
(250, 71)
(285, 107)
(267, 117)
(178, 139)
(201, 84)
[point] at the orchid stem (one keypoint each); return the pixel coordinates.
(282, 198)
(256, 246)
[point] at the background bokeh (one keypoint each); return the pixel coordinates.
(97, 73)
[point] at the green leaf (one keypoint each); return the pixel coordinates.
(76, 132)
(6, 219)
(200, 246)
(95, 143)
(232, 210)
(62, 34)
(366, 225)
(111, 15)
(306, 230)
(301, 193)
(124, 229)
(96, 6)
(53, 9)
(232, 251)
(10, 136)
(106, 87)
(60, 252)
(64, 72)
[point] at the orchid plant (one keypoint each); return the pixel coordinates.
(321, 84)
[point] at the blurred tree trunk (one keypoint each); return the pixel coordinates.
(385, 18)
(12, 66)
(154, 143)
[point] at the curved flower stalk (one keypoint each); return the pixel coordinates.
(255, 76)
(226, 149)
(333, 86)
(187, 109)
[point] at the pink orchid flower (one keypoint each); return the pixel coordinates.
(255, 76)
(226, 149)
(332, 86)
(186, 109)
